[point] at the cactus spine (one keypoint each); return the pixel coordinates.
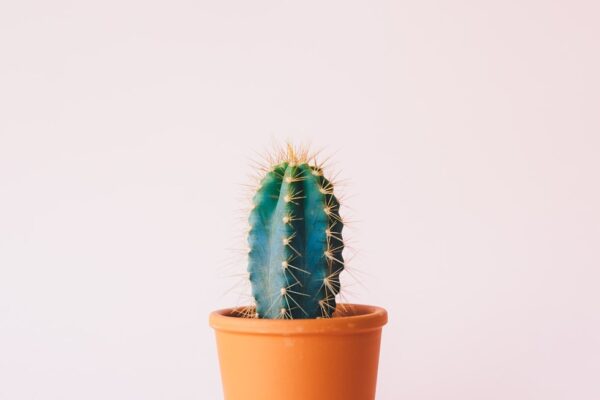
(295, 240)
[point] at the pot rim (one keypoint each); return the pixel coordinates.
(359, 318)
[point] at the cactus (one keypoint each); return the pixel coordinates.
(295, 240)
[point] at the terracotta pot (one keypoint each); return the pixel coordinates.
(303, 359)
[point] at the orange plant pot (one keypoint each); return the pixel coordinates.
(303, 359)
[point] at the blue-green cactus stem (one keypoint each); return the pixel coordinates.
(295, 243)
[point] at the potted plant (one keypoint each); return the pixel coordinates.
(296, 342)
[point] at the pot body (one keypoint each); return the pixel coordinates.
(322, 359)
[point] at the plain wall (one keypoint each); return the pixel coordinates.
(466, 134)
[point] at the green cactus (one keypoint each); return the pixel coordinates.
(296, 243)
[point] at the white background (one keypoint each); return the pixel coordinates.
(467, 133)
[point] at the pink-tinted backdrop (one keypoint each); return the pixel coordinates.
(468, 133)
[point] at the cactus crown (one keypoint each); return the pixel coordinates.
(295, 240)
